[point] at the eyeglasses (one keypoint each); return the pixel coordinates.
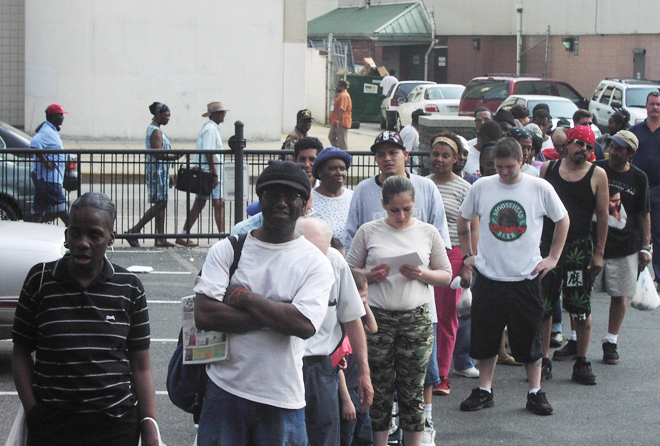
(273, 195)
(583, 144)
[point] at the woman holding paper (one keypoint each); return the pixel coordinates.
(399, 296)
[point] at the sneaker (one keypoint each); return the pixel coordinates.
(442, 388)
(472, 372)
(610, 355)
(556, 339)
(546, 369)
(428, 437)
(567, 352)
(394, 424)
(478, 399)
(582, 372)
(538, 403)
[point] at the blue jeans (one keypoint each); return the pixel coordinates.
(462, 359)
(228, 420)
(432, 372)
(322, 398)
(357, 432)
(654, 192)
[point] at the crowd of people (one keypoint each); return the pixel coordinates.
(341, 300)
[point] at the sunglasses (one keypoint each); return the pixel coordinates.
(583, 144)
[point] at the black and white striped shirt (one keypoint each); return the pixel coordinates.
(82, 336)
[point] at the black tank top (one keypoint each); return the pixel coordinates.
(578, 198)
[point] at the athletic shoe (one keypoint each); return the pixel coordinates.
(610, 355)
(478, 399)
(538, 403)
(567, 352)
(472, 372)
(428, 437)
(556, 339)
(442, 388)
(582, 372)
(546, 369)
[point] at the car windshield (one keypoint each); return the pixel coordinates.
(13, 129)
(487, 90)
(636, 97)
(558, 109)
(443, 93)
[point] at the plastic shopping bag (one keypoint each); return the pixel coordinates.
(646, 297)
(464, 305)
(18, 433)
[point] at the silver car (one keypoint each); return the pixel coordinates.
(23, 245)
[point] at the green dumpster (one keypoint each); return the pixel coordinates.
(366, 96)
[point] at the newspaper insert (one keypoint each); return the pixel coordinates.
(200, 346)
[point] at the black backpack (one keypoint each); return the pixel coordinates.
(186, 383)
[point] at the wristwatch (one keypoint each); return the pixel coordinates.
(467, 255)
(648, 248)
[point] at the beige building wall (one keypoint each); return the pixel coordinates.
(106, 61)
(12, 61)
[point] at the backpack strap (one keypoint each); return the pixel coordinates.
(237, 243)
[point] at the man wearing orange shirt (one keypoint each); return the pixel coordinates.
(341, 117)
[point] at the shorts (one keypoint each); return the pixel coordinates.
(398, 358)
(48, 195)
(571, 278)
(619, 275)
(216, 194)
(516, 305)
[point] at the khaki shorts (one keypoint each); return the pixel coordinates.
(619, 275)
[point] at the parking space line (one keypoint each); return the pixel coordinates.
(178, 302)
(164, 340)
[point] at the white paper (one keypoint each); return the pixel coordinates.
(139, 269)
(397, 262)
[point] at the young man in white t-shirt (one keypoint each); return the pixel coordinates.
(507, 291)
(277, 298)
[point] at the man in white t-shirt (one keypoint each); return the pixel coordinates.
(509, 266)
(208, 139)
(345, 306)
(387, 82)
(276, 299)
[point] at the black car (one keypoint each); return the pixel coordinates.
(16, 186)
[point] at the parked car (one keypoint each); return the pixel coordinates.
(23, 245)
(626, 94)
(491, 91)
(16, 187)
(560, 108)
(441, 99)
(390, 103)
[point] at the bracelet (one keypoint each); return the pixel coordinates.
(645, 251)
(467, 255)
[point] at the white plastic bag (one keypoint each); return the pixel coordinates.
(18, 433)
(646, 297)
(151, 420)
(464, 305)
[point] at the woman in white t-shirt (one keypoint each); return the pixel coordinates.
(399, 353)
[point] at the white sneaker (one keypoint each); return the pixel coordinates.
(472, 372)
(428, 437)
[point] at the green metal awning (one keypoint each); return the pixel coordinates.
(404, 21)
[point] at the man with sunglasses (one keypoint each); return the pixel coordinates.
(278, 298)
(583, 117)
(583, 189)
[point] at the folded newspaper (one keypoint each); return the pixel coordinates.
(200, 346)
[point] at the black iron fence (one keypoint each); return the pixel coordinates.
(120, 174)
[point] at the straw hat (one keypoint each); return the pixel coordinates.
(213, 107)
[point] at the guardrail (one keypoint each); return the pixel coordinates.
(120, 174)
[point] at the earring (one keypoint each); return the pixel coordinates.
(112, 253)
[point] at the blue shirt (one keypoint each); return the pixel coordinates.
(245, 226)
(647, 157)
(49, 138)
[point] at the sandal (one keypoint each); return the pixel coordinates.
(133, 242)
(187, 243)
(164, 244)
(509, 360)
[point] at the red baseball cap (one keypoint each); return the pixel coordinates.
(55, 109)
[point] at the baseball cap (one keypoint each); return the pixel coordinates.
(54, 109)
(388, 138)
(327, 154)
(285, 173)
(624, 138)
(304, 114)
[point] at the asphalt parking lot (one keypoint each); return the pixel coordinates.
(621, 409)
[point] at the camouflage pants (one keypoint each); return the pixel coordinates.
(399, 354)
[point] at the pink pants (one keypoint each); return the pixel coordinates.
(446, 301)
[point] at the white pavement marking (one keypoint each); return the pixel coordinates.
(170, 272)
(164, 340)
(178, 302)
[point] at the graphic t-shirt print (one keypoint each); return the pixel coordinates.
(508, 221)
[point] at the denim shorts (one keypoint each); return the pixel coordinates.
(229, 420)
(47, 194)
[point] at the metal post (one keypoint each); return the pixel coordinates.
(237, 144)
(519, 11)
(329, 99)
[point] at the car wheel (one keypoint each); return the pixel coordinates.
(8, 211)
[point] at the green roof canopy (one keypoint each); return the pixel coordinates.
(404, 21)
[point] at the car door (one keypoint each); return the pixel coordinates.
(412, 103)
(602, 110)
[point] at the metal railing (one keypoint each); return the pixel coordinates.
(120, 174)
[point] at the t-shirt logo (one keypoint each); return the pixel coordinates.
(508, 221)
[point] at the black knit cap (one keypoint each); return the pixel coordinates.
(285, 173)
